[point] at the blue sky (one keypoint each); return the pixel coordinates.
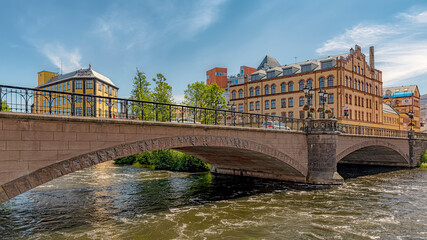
(182, 39)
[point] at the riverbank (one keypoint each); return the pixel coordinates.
(166, 160)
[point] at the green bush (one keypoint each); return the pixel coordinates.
(166, 160)
(423, 162)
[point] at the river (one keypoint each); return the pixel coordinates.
(125, 202)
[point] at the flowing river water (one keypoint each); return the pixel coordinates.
(125, 202)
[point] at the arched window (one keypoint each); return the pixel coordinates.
(283, 86)
(321, 82)
(376, 90)
(257, 91)
(355, 69)
(273, 89)
(240, 93)
(330, 81)
(233, 94)
(349, 82)
(290, 87)
(266, 90)
(367, 87)
(346, 80)
(310, 84)
(358, 69)
(346, 98)
(301, 85)
(349, 99)
(251, 92)
(370, 86)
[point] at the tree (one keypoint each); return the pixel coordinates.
(162, 94)
(141, 91)
(5, 107)
(199, 94)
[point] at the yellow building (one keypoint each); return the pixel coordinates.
(83, 81)
(405, 99)
(392, 118)
(353, 85)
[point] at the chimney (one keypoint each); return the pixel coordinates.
(371, 57)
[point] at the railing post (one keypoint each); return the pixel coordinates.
(216, 113)
(1, 99)
(73, 104)
(157, 111)
(170, 113)
(109, 107)
(126, 109)
(26, 100)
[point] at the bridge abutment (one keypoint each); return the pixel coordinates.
(322, 141)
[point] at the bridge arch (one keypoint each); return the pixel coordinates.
(374, 152)
(253, 159)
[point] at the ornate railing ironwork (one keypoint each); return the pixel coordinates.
(38, 101)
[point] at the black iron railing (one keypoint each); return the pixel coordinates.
(31, 100)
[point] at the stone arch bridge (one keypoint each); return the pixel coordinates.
(35, 149)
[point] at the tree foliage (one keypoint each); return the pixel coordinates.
(5, 107)
(199, 94)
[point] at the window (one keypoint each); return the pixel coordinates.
(99, 89)
(346, 98)
(89, 99)
(89, 84)
(321, 82)
(358, 69)
(283, 86)
(251, 92)
(306, 68)
(257, 105)
(376, 90)
(291, 114)
(68, 85)
(349, 99)
(220, 74)
(330, 81)
(302, 115)
(78, 98)
(251, 106)
(301, 85)
(78, 84)
(301, 101)
(331, 98)
(207, 76)
(273, 104)
(257, 91)
(290, 102)
(271, 74)
(349, 82)
(310, 84)
(267, 104)
(105, 88)
(287, 71)
(233, 94)
(283, 114)
(355, 69)
(240, 107)
(240, 93)
(273, 89)
(283, 103)
(345, 83)
(89, 111)
(59, 101)
(326, 64)
(290, 87)
(79, 111)
(267, 90)
(255, 77)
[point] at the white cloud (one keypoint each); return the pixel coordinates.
(205, 13)
(418, 18)
(68, 60)
(401, 48)
(179, 98)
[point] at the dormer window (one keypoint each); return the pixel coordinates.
(306, 68)
(326, 64)
(287, 71)
(271, 74)
(255, 77)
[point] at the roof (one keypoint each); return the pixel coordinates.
(389, 109)
(268, 62)
(316, 64)
(81, 73)
(397, 92)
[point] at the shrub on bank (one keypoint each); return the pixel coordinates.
(166, 160)
(423, 163)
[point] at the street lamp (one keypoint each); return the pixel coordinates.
(308, 92)
(323, 96)
(411, 116)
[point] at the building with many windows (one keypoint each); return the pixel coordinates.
(405, 99)
(83, 81)
(353, 85)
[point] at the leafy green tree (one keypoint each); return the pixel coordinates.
(141, 91)
(162, 94)
(199, 94)
(5, 107)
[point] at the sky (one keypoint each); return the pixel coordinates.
(183, 39)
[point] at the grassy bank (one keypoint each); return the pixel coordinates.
(423, 163)
(166, 160)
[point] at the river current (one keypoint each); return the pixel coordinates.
(124, 202)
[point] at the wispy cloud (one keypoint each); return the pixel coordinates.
(162, 22)
(401, 48)
(68, 60)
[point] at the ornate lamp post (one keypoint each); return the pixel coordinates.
(308, 92)
(323, 96)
